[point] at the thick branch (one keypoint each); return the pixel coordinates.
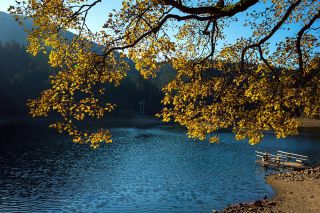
(217, 10)
(214, 12)
(298, 42)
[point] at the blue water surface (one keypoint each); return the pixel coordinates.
(146, 169)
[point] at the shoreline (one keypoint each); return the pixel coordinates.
(296, 191)
(309, 123)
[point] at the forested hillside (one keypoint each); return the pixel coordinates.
(10, 30)
(23, 76)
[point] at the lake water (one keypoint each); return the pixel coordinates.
(148, 168)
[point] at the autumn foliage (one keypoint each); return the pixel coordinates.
(249, 85)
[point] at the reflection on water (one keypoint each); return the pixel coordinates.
(145, 169)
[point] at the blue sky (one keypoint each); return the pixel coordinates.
(98, 15)
(4, 4)
(95, 18)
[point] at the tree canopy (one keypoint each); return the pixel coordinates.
(250, 85)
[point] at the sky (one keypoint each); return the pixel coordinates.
(98, 15)
(4, 4)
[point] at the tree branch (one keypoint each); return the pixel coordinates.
(272, 32)
(298, 42)
(217, 10)
(158, 27)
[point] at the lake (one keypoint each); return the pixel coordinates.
(147, 168)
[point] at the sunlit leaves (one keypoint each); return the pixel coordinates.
(248, 86)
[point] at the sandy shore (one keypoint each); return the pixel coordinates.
(296, 196)
(296, 192)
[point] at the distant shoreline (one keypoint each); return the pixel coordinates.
(309, 123)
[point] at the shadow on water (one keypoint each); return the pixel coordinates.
(150, 168)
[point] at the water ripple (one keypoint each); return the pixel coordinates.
(150, 169)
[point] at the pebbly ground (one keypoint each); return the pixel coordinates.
(297, 192)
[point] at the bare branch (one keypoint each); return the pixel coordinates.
(218, 10)
(272, 32)
(158, 27)
(298, 41)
